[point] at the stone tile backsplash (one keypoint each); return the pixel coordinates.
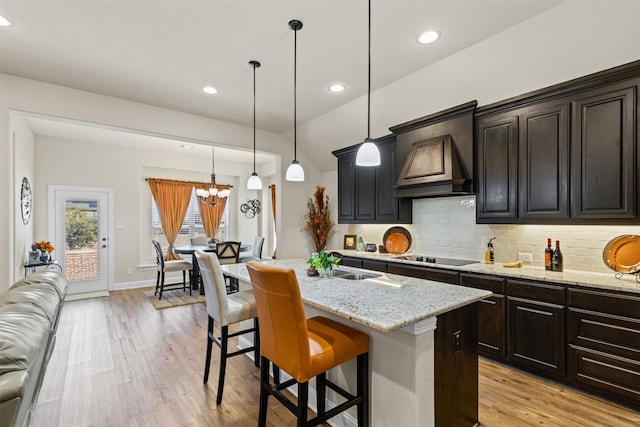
(447, 227)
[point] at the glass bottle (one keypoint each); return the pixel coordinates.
(556, 258)
(548, 253)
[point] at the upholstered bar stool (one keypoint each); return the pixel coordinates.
(226, 310)
(304, 348)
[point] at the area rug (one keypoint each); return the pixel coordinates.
(173, 298)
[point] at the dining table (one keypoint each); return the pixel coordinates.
(195, 271)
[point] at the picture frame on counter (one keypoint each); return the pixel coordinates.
(349, 241)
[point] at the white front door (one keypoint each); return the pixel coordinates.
(81, 236)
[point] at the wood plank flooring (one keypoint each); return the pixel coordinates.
(120, 362)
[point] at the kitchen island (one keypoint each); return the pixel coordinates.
(423, 351)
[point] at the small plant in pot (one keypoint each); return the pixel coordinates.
(323, 262)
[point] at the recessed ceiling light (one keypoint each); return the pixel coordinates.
(187, 146)
(210, 90)
(337, 87)
(4, 22)
(428, 37)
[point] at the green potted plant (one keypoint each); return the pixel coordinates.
(323, 262)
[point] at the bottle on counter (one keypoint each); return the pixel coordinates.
(489, 257)
(548, 253)
(556, 258)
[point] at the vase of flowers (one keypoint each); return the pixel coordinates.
(45, 248)
(323, 263)
(318, 219)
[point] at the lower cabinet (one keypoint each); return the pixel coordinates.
(491, 315)
(351, 261)
(427, 273)
(604, 343)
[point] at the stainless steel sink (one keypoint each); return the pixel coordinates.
(352, 275)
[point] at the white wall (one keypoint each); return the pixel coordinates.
(23, 95)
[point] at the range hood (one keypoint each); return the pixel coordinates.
(432, 169)
(436, 153)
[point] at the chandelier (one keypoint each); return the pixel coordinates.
(212, 196)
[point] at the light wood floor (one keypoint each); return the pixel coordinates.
(120, 362)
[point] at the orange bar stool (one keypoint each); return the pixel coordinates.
(304, 348)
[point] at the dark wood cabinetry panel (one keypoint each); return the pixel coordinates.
(346, 188)
(604, 343)
(456, 356)
(497, 151)
(445, 276)
(603, 146)
(351, 261)
(372, 264)
(544, 162)
(365, 194)
(491, 315)
(536, 317)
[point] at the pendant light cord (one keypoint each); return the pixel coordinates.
(295, 94)
(254, 119)
(369, 79)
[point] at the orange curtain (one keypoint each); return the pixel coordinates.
(211, 215)
(172, 199)
(273, 210)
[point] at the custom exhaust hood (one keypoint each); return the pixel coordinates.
(436, 152)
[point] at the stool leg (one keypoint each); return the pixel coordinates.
(184, 280)
(303, 400)
(264, 394)
(207, 361)
(256, 342)
(321, 392)
(224, 340)
(276, 374)
(161, 284)
(363, 389)
(157, 283)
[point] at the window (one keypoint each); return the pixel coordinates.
(191, 226)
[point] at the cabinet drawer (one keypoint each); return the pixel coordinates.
(536, 291)
(609, 334)
(445, 276)
(491, 327)
(605, 302)
(618, 377)
(351, 261)
(493, 284)
(371, 264)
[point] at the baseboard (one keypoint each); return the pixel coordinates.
(343, 419)
(86, 295)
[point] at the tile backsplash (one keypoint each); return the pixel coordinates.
(447, 227)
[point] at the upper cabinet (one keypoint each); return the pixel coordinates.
(568, 154)
(365, 194)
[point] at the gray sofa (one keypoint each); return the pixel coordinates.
(29, 315)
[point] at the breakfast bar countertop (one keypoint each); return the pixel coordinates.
(627, 283)
(386, 303)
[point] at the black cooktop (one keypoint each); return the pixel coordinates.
(435, 260)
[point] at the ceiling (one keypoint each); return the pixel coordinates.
(163, 52)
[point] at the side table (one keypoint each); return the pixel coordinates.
(30, 268)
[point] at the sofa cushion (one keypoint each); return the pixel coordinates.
(53, 278)
(24, 334)
(41, 295)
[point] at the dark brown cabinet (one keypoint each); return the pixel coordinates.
(568, 154)
(604, 343)
(491, 314)
(427, 273)
(536, 326)
(351, 261)
(497, 153)
(365, 194)
(604, 145)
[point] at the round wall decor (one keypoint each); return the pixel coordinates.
(26, 200)
(251, 208)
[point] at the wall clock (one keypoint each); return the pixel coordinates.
(26, 200)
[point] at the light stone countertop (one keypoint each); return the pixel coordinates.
(626, 283)
(385, 303)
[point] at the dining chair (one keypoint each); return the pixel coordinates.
(225, 310)
(199, 240)
(304, 348)
(256, 250)
(169, 266)
(229, 253)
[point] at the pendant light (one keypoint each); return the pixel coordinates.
(368, 153)
(295, 171)
(254, 182)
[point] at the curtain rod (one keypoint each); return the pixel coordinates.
(189, 182)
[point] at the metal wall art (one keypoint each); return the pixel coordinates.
(251, 208)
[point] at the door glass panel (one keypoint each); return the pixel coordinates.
(81, 239)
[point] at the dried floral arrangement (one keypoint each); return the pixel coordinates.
(318, 219)
(43, 246)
